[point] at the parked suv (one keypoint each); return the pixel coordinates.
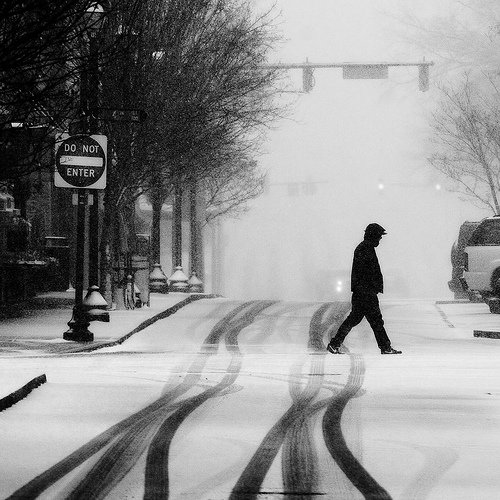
(457, 284)
(482, 262)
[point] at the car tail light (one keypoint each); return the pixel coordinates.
(466, 262)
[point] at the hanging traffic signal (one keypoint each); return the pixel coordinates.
(307, 79)
(423, 77)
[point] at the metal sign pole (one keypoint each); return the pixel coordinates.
(78, 324)
(81, 163)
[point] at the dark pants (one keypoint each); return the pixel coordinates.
(363, 305)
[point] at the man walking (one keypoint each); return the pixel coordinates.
(366, 283)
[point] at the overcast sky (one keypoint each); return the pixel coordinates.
(346, 30)
(348, 137)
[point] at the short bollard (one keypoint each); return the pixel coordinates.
(179, 281)
(195, 285)
(94, 306)
(157, 280)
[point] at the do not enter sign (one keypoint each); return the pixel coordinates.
(81, 161)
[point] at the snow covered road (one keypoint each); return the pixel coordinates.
(231, 399)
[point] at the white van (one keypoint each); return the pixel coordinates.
(482, 259)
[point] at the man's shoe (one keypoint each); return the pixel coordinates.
(390, 350)
(333, 349)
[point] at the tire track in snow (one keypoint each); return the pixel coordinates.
(292, 431)
(39, 484)
(157, 477)
(299, 462)
(250, 481)
(324, 320)
(115, 462)
(299, 459)
(278, 324)
(437, 462)
(124, 454)
(335, 441)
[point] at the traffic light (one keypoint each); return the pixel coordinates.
(423, 77)
(307, 79)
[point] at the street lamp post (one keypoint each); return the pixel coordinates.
(78, 325)
(93, 125)
(95, 16)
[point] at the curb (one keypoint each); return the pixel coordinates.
(487, 334)
(16, 396)
(148, 322)
(456, 301)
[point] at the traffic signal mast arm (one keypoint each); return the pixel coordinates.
(356, 70)
(308, 64)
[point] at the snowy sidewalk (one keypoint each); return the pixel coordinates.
(468, 316)
(462, 316)
(39, 330)
(40, 323)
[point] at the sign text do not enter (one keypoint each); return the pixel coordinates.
(81, 161)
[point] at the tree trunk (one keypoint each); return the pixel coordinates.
(196, 239)
(157, 203)
(177, 227)
(118, 260)
(106, 249)
(218, 257)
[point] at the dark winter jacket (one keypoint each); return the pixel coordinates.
(366, 275)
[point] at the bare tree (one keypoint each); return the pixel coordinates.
(464, 41)
(43, 52)
(227, 97)
(466, 138)
(232, 186)
(464, 36)
(196, 69)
